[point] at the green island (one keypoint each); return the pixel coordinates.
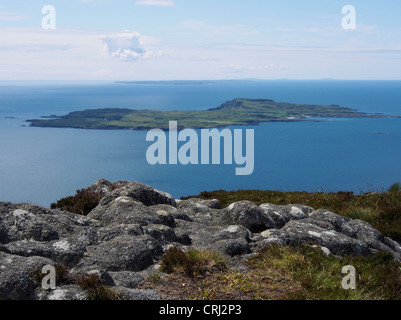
(239, 111)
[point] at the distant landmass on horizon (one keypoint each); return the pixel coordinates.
(240, 111)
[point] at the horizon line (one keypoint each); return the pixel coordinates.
(190, 80)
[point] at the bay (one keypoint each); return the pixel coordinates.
(41, 165)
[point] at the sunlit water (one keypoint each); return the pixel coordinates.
(41, 165)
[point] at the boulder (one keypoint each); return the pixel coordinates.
(248, 215)
(283, 214)
(142, 193)
(199, 205)
(373, 238)
(134, 224)
(339, 223)
(337, 243)
(16, 281)
(123, 253)
(61, 293)
(126, 210)
(127, 279)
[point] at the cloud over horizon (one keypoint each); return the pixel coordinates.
(126, 46)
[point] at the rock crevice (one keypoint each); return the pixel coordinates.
(134, 224)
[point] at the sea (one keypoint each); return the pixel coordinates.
(42, 165)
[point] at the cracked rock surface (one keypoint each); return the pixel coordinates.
(134, 224)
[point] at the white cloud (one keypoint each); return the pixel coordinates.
(126, 46)
(161, 3)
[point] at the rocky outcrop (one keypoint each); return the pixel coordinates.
(134, 224)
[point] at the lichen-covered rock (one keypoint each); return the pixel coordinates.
(108, 233)
(373, 238)
(248, 215)
(199, 205)
(138, 294)
(283, 214)
(161, 233)
(143, 193)
(133, 225)
(127, 279)
(339, 223)
(232, 247)
(16, 282)
(65, 292)
(126, 210)
(123, 253)
(337, 243)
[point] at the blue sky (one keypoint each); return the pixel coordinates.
(199, 39)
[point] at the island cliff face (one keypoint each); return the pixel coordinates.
(236, 112)
(124, 237)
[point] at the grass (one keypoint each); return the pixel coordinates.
(320, 277)
(286, 273)
(381, 209)
(193, 262)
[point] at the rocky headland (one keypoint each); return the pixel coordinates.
(123, 239)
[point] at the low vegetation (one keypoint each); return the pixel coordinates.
(281, 273)
(319, 277)
(95, 290)
(83, 202)
(192, 262)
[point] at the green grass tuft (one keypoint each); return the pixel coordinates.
(193, 262)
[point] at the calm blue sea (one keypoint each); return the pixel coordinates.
(41, 165)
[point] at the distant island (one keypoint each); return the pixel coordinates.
(239, 111)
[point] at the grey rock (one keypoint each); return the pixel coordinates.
(66, 252)
(337, 243)
(101, 187)
(232, 247)
(142, 193)
(248, 215)
(199, 205)
(373, 238)
(16, 282)
(126, 210)
(339, 223)
(161, 233)
(123, 253)
(183, 237)
(108, 233)
(164, 209)
(233, 232)
(65, 292)
(138, 294)
(134, 224)
(283, 214)
(126, 279)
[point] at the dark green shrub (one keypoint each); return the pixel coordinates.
(82, 203)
